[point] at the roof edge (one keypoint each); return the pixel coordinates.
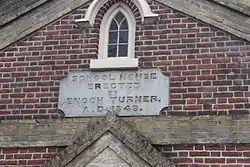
(35, 19)
(242, 6)
(22, 10)
(214, 14)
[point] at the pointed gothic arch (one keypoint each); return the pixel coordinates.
(110, 132)
(94, 7)
(126, 58)
(105, 30)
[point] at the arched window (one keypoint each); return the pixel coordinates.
(116, 39)
(118, 36)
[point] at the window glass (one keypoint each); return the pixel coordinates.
(123, 37)
(123, 49)
(113, 37)
(112, 50)
(118, 36)
(124, 25)
(119, 17)
(113, 25)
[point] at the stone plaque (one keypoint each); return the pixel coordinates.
(92, 93)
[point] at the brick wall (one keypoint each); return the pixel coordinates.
(212, 155)
(192, 53)
(208, 70)
(207, 67)
(27, 157)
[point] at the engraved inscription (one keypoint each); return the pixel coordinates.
(136, 141)
(140, 92)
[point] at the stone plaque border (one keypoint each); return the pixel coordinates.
(141, 92)
(110, 123)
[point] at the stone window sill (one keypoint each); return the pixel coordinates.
(114, 63)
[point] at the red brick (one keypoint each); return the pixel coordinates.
(183, 147)
(215, 154)
(192, 95)
(242, 147)
(183, 154)
(231, 160)
(192, 84)
(223, 106)
(215, 160)
(9, 162)
(36, 162)
(238, 100)
(49, 156)
(10, 150)
(215, 147)
(220, 95)
(37, 150)
(192, 107)
(243, 160)
(22, 156)
(199, 160)
(232, 154)
(197, 154)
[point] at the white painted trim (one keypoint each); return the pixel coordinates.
(112, 63)
(95, 6)
(103, 61)
(104, 29)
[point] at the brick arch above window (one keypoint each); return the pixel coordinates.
(144, 9)
(110, 4)
(116, 46)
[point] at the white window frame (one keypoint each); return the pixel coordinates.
(103, 60)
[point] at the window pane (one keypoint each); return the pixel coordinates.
(112, 50)
(124, 25)
(118, 36)
(113, 37)
(123, 38)
(123, 51)
(119, 17)
(113, 25)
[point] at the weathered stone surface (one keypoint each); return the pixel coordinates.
(115, 134)
(158, 129)
(239, 5)
(92, 93)
(11, 9)
(106, 151)
(210, 12)
(36, 19)
(107, 158)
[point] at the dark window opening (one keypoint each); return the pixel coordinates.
(118, 36)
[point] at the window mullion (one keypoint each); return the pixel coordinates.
(118, 38)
